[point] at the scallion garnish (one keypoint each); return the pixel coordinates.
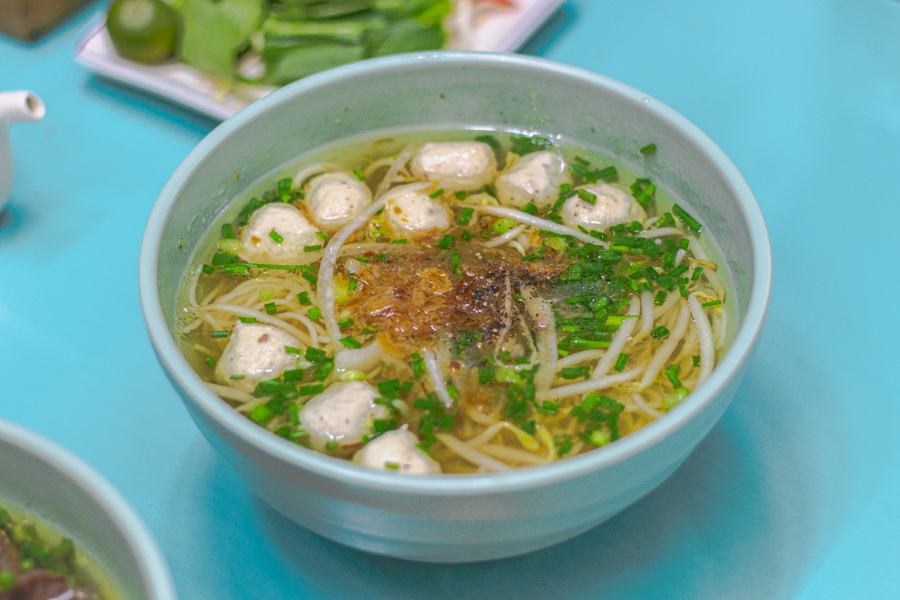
(308, 390)
(466, 235)
(228, 231)
(209, 361)
(292, 350)
(220, 334)
(275, 236)
(711, 303)
(352, 285)
(648, 149)
(436, 193)
(465, 215)
(530, 209)
(309, 277)
(359, 174)
(207, 269)
(689, 221)
(351, 342)
(247, 319)
(312, 248)
(455, 263)
(461, 195)
(446, 241)
(621, 361)
(270, 307)
(400, 241)
(659, 333)
(322, 235)
(486, 375)
(587, 197)
(696, 274)
(303, 297)
(314, 313)
(345, 323)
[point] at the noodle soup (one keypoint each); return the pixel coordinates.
(455, 301)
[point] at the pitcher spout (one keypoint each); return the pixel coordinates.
(20, 107)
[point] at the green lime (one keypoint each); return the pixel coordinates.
(143, 30)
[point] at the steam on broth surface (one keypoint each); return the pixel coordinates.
(450, 301)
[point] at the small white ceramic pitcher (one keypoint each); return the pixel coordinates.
(15, 107)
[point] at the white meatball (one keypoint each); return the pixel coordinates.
(341, 413)
(288, 222)
(535, 178)
(456, 165)
(256, 352)
(398, 448)
(612, 206)
(411, 213)
(334, 199)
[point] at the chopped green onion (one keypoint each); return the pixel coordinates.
(352, 285)
(270, 307)
(466, 235)
(671, 373)
(486, 375)
(359, 174)
(309, 390)
(293, 375)
(696, 274)
(210, 361)
(303, 297)
(599, 438)
(711, 303)
(587, 197)
(604, 173)
(312, 248)
(382, 425)
(689, 221)
(345, 323)
(452, 391)
(322, 235)
(351, 342)
(530, 209)
(284, 186)
(207, 269)
(677, 395)
(314, 313)
(503, 225)
(400, 241)
(261, 413)
(275, 236)
(465, 215)
(455, 262)
(220, 334)
(659, 333)
(315, 355)
(391, 465)
(292, 350)
(309, 277)
(228, 231)
(436, 194)
(682, 287)
(247, 319)
(621, 361)
(461, 195)
(660, 298)
(446, 241)
(696, 359)
(332, 445)
(648, 149)
(575, 372)
(418, 365)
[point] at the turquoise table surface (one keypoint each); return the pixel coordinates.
(794, 494)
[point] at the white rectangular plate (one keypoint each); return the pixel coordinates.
(503, 31)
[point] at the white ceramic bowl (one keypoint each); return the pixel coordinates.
(458, 517)
(45, 480)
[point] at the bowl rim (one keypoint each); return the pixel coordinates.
(154, 570)
(457, 484)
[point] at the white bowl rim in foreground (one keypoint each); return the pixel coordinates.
(154, 570)
(452, 484)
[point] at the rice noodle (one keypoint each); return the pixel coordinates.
(485, 436)
(710, 274)
(361, 359)
(707, 348)
(619, 340)
(511, 454)
(243, 311)
(192, 293)
(665, 351)
(399, 163)
(325, 284)
(591, 385)
(646, 315)
(643, 406)
(313, 333)
(231, 394)
(304, 174)
(542, 314)
(661, 232)
(470, 454)
(723, 327)
(502, 239)
(578, 357)
(523, 217)
(437, 376)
